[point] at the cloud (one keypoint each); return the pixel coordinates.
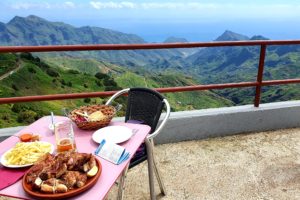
(26, 6)
(112, 5)
(133, 5)
(69, 4)
(189, 5)
(193, 9)
(42, 5)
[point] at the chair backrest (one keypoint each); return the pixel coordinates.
(144, 105)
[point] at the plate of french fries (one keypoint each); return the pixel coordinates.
(25, 154)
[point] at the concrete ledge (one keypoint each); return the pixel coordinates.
(6, 132)
(200, 124)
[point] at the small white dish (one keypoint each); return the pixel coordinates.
(114, 134)
(4, 161)
(51, 126)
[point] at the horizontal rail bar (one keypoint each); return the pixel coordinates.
(55, 97)
(206, 87)
(110, 93)
(6, 49)
(280, 82)
(162, 90)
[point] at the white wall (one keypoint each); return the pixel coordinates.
(199, 124)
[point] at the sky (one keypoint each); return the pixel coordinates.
(155, 20)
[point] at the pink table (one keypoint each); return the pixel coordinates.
(85, 144)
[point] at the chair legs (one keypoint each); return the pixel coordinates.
(159, 179)
(152, 167)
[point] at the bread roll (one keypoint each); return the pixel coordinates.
(96, 116)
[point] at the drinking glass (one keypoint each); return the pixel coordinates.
(64, 136)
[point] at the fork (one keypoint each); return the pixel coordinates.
(134, 131)
(65, 112)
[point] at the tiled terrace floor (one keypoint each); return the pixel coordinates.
(264, 165)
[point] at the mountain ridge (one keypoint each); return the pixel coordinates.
(33, 30)
(231, 36)
(173, 39)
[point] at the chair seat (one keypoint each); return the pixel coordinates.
(139, 156)
(141, 153)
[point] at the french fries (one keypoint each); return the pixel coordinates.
(27, 153)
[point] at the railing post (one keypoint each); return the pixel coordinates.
(260, 72)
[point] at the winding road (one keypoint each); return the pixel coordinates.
(19, 66)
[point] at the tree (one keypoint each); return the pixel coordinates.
(14, 87)
(27, 116)
(109, 82)
(63, 82)
(69, 84)
(87, 100)
(27, 56)
(31, 70)
(98, 83)
(100, 75)
(73, 71)
(52, 72)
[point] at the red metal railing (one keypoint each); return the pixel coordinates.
(258, 83)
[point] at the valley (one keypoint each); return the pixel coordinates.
(68, 72)
(38, 77)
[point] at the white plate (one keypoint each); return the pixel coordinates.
(4, 161)
(114, 134)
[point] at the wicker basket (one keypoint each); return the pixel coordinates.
(108, 111)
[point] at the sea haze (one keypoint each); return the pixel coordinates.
(156, 20)
(192, 30)
(153, 31)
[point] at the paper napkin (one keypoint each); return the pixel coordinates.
(10, 175)
(112, 152)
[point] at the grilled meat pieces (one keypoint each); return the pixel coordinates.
(60, 173)
(39, 167)
(53, 185)
(76, 161)
(74, 178)
(89, 164)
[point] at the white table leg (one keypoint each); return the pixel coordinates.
(122, 183)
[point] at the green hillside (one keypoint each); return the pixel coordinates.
(8, 62)
(141, 77)
(239, 64)
(178, 101)
(88, 66)
(36, 77)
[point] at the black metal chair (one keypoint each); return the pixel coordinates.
(144, 106)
